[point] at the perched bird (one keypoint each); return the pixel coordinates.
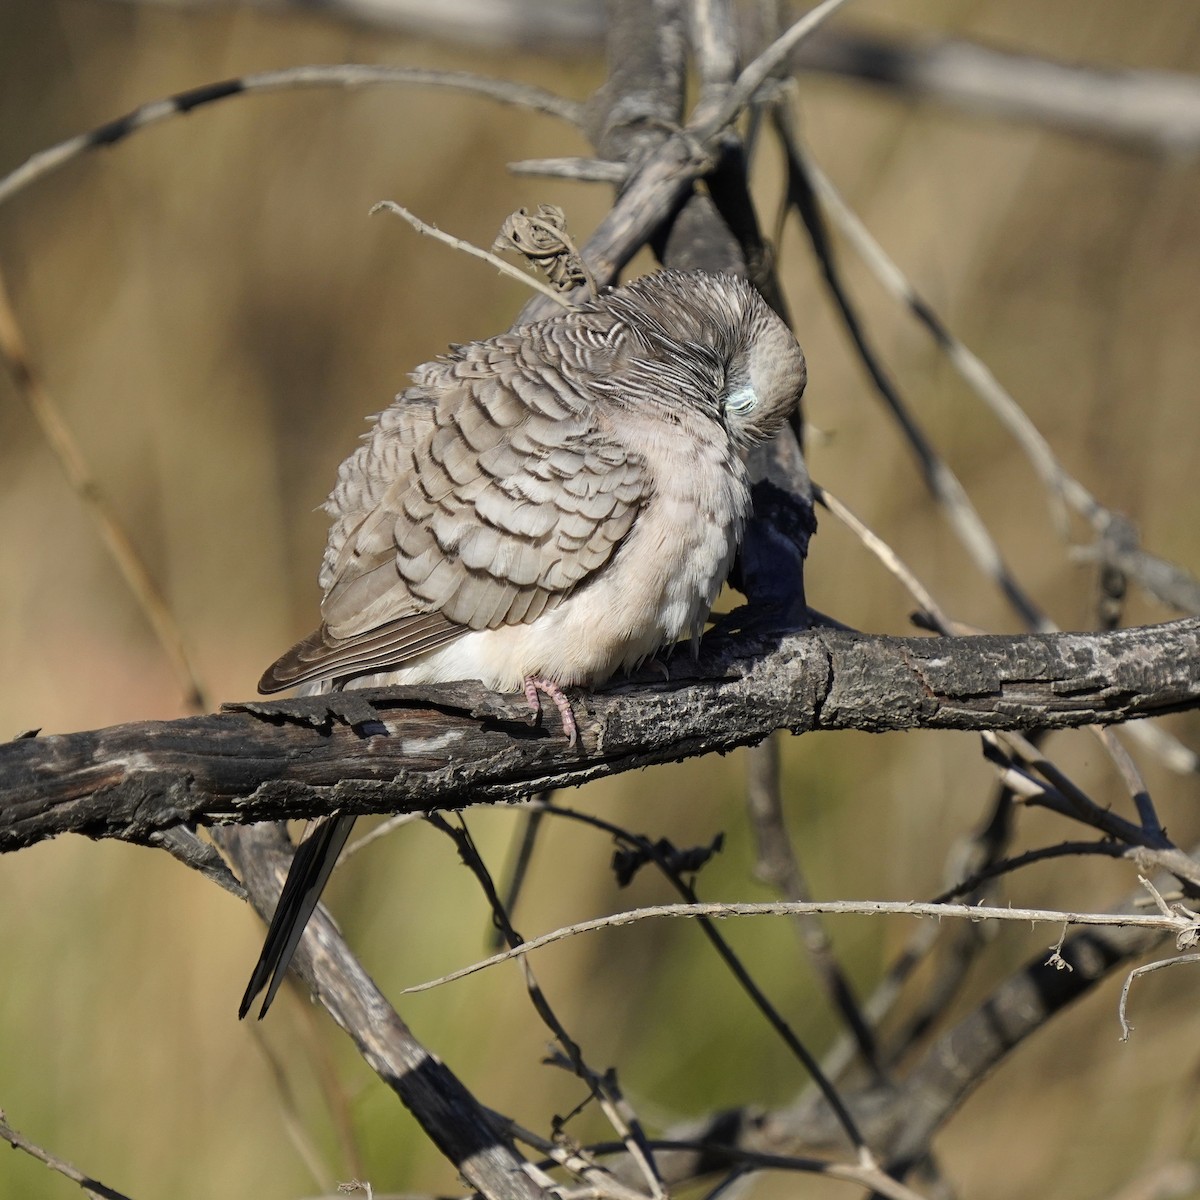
(541, 509)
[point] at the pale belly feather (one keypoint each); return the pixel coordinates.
(658, 588)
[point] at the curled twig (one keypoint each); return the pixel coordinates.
(458, 244)
(542, 238)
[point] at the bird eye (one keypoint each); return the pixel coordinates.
(741, 401)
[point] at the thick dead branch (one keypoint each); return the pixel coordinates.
(1152, 110)
(1149, 110)
(454, 1120)
(454, 745)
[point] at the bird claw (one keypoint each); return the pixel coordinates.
(551, 689)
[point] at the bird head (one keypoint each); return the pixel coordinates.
(712, 341)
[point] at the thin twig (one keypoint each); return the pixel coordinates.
(93, 1187)
(1062, 487)
(889, 558)
(778, 865)
(582, 170)
(666, 860)
(83, 483)
(1136, 973)
(379, 831)
(531, 823)
(602, 1087)
(1133, 779)
(343, 75)
(775, 908)
(945, 487)
(600, 1183)
(1006, 866)
(458, 244)
(871, 1178)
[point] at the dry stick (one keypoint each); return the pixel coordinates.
(714, 42)
(889, 558)
(1006, 866)
(945, 487)
(1126, 1028)
(576, 168)
(458, 1125)
(1133, 780)
(345, 75)
(599, 1182)
(777, 865)
(379, 831)
(652, 852)
(1076, 802)
(1185, 939)
(1179, 589)
(74, 465)
(505, 268)
(531, 824)
(1151, 825)
(871, 1178)
(93, 1187)
(182, 844)
(547, 28)
(602, 1087)
(129, 780)
(713, 910)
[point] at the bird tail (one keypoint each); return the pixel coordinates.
(310, 871)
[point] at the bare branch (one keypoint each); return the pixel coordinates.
(93, 1187)
(265, 761)
(1116, 537)
(1181, 924)
(1158, 111)
(344, 75)
(505, 268)
(459, 1126)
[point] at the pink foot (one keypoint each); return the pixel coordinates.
(549, 688)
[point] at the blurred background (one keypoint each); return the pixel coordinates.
(214, 313)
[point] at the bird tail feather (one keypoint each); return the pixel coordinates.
(310, 871)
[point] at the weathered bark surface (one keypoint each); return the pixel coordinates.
(447, 747)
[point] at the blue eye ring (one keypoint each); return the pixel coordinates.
(741, 401)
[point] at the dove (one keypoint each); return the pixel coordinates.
(541, 510)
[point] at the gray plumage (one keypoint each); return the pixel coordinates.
(544, 508)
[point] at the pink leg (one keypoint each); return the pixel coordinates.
(549, 688)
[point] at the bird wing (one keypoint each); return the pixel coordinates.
(483, 496)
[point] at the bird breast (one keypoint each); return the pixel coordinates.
(658, 588)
